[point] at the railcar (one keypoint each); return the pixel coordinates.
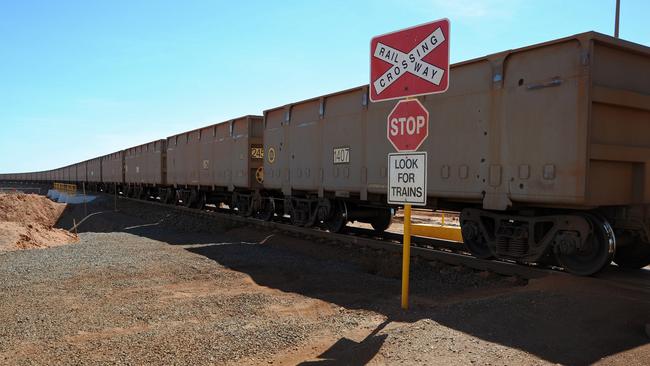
(94, 173)
(317, 161)
(144, 169)
(112, 171)
(542, 149)
(81, 174)
(220, 163)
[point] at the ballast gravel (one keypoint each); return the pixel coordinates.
(121, 298)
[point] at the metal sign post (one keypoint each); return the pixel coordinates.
(405, 64)
(406, 257)
(618, 13)
(83, 186)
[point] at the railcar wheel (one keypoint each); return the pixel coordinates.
(594, 254)
(200, 201)
(168, 196)
(190, 199)
(475, 240)
(634, 256)
(382, 222)
(338, 219)
(268, 209)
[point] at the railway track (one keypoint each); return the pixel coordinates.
(424, 248)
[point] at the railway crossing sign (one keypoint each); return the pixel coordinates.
(410, 62)
(408, 125)
(405, 64)
(407, 178)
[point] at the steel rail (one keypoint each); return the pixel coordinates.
(426, 248)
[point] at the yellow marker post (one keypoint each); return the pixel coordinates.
(406, 257)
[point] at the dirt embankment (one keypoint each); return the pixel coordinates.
(27, 220)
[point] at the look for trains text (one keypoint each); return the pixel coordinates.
(406, 177)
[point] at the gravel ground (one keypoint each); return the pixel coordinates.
(144, 286)
(121, 298)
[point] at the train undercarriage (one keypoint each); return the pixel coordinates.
(581, 242)
(302, 210)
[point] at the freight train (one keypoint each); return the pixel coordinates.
(544, 151)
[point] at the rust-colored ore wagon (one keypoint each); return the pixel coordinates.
(80, 169)
(66, 174)
(543, 149)
(94, 173)
(112, 167)
(58, 175)
(316, 158)
(144, 169)
(216, 164)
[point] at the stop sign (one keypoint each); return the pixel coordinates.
(408, 125)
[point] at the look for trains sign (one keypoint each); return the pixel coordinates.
(410, 62)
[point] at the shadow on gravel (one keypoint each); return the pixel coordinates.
(566, 320)
(575, 321)
(348, 352)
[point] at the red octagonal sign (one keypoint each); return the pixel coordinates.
(410, 62)
(408, 125)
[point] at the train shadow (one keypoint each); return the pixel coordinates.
(575, 321)
(563, 319)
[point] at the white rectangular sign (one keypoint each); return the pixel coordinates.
(407, 178)
(341, 155)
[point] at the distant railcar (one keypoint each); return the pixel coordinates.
(94, 173)
(112, 166)
(144, 168)
(220, 163)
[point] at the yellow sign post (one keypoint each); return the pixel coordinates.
(406, 257)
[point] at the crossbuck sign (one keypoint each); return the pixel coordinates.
(410, 62)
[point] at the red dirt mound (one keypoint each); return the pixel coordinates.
(27, 220)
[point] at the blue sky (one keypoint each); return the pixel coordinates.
(79, 79)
